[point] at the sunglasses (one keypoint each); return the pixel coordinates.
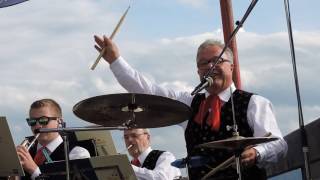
(43, 120)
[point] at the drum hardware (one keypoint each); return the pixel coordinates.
(132, 110)
(237, 144)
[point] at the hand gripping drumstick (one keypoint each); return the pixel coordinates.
(111, 37)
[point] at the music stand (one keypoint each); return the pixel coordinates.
(103, 140)
(115, 167)
(8, 154)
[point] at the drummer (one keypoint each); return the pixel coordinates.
(212, 110)
(148, 163)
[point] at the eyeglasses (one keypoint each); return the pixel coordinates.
(43, 120)
(133, 135)
(205, 63)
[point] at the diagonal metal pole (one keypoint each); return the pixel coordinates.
(304, 141)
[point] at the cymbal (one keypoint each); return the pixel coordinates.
(132, 110)
(237, 142)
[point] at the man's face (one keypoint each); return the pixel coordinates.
(46, 111)
(139, 139)
(222, 74)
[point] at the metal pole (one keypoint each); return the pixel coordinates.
(304, 141)
(228, 26)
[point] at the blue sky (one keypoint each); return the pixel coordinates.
(46, 49)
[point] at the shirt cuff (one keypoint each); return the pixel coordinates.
(35, 173)
(117, 62)
(262, 153)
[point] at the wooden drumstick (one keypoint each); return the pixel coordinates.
(111, 37)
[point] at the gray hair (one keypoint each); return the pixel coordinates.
(215, 42)
(147, 131)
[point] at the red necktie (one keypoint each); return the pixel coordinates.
(214, 103)
(40, 158)
(214, 115)
(136, 162)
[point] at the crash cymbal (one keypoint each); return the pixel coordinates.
(134, 110)
(237, 142)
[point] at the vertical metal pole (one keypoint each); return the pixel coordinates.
(228, 27)
(66, 151)
(304, 141)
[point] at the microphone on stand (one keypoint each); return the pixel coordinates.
(206, 82)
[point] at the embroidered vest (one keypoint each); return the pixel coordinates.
(196, 134)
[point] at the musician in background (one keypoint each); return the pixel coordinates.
(46, 113)
(212, 111)
(148, 164)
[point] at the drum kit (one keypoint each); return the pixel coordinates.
(130, 110)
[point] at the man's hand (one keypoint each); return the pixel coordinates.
(26, 160)
(111, 52)
(248, 157)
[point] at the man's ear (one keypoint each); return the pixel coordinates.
(60, 121)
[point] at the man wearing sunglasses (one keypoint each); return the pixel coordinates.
(46, 113)
(212, 111)
(147, 163)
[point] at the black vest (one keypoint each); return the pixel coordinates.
(56, 155)
(151, 160)
(196, 134)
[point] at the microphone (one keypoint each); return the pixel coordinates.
(207, 82)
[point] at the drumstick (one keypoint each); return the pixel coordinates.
(227, 162)
(111, 37)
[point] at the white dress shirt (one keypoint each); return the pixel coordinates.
(261, 118)
(76, 153)
(162, 171)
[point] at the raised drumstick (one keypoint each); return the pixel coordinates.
(111, 37)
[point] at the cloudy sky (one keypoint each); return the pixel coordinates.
(46, 50)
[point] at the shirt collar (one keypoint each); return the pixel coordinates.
(144, 155)
(225, 94)
(53, 144)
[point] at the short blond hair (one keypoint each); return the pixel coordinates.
(46, 103)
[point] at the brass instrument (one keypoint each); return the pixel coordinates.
(28, 144)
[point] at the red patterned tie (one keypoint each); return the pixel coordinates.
(214, 115)
(136, 162)
(214, 103)
(40, 158)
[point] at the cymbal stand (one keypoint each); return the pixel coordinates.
(132, 108)
(66, 150)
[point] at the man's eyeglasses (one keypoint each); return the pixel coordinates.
(133, 135)
(44, 120)
(205, 63)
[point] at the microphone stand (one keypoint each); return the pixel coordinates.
(205, 81)
(304, 141)
(66, 150)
